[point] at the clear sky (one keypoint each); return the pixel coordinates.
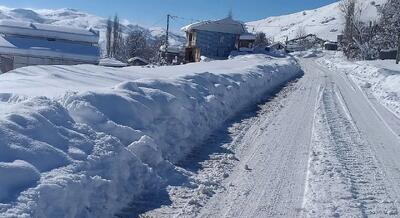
(153, 12)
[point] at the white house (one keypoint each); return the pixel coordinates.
(24, 44)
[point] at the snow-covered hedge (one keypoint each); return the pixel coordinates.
(89, 153)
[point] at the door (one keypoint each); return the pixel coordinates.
(6, 63)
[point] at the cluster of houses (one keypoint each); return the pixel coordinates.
(24, 44)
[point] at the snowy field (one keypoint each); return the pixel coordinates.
(87, 140)
(325, 22)
(380, 77)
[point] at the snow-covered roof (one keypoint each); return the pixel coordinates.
(36, 47)
(276, 44)
(48, 31)
(247, 36)
(139, 59)
(111, 62)
(227, 25)
(172, 49)
(330, 43)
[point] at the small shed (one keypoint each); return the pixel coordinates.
(304, 43)
(389, 54)
(331, 46)
(137, 61)
(277, 46)
(173, 55)
(111, 62)
(246, 42)
(24, 44)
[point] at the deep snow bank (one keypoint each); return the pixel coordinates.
(381, 77)
(113, 133)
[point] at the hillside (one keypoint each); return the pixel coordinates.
(326, 22)
(75, 18)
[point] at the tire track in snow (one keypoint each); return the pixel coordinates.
(344, 178)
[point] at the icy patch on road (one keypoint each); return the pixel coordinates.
(90, 153)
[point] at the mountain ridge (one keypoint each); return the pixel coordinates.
(326, 22)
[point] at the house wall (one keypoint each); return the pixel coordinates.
(215, 44)
(18, 61)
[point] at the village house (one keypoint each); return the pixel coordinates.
(304, 43)
(277, 46)
(216, 39)
(331, 46)
(24, 44)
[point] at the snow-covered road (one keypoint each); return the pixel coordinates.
(322, 147)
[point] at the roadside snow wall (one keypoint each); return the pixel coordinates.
(380, 77)
(88, 154)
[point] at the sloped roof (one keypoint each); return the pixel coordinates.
(139, 59)
(48, 31)
(36, 47)
(226, 25)
(247, 36)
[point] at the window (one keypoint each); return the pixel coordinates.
(190, 38)
(222, 39)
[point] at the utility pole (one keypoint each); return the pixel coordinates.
(167, 35)
(398, 50)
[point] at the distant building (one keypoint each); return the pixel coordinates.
(24, 44)
(331, 46)
(277, 46)
(112, 62)
(138, 61)
(215, 39)
(304, 43)
(173, 55)
(246, 42)
(389, 54)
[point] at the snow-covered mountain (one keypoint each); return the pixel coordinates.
(75, 18)
(326, 22)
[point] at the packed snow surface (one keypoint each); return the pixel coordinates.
(86, 140)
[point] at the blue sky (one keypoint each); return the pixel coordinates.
(152, 12)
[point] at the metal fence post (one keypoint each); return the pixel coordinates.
(398, 50)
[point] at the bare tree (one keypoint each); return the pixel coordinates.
(116, 36)
(358, 36)
(108, 37)
(389, 24)
(301, 32)
(348, 9)
(261, 40)
(136, 44)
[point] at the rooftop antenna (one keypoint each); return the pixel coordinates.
(230, 13)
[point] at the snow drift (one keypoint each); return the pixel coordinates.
(380, 77)
(84, 141)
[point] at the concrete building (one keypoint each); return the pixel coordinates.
(215, 39)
